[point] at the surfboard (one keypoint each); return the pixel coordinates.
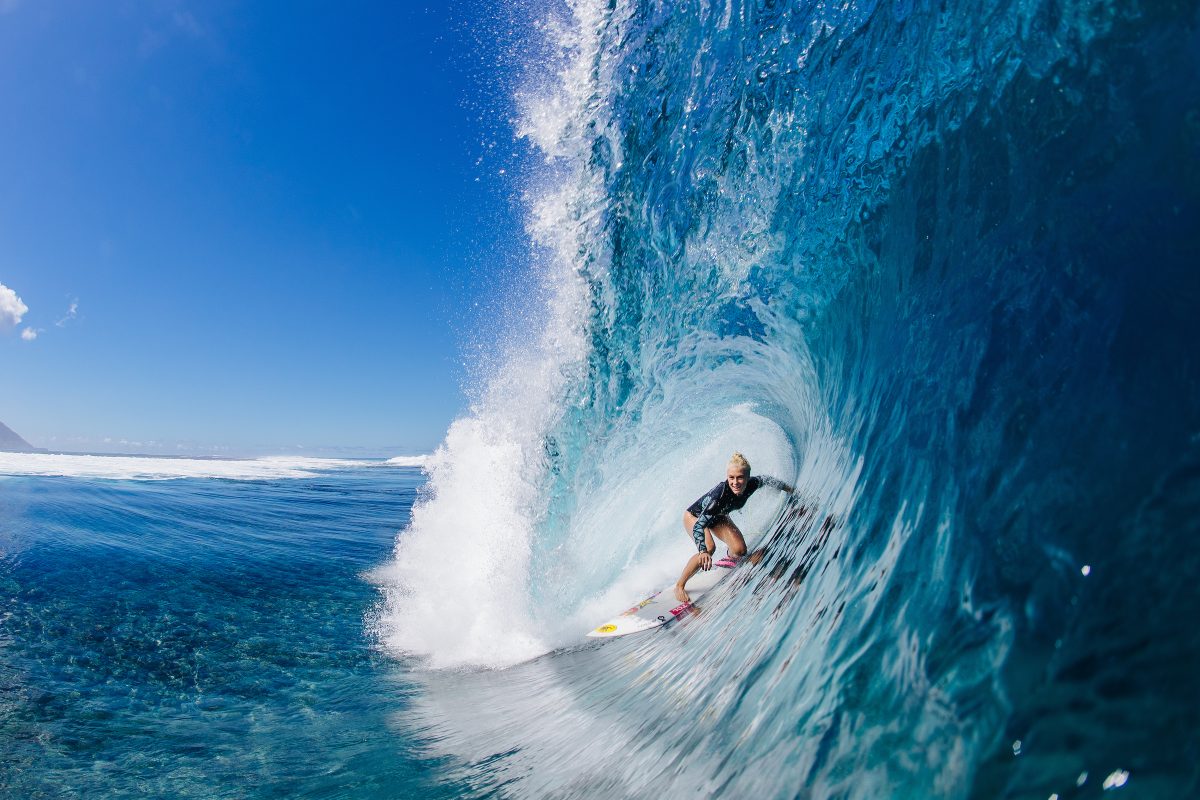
(661, 607)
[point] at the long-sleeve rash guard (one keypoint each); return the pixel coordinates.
(720, 500)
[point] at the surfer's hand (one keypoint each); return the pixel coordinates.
(706, 561)
(681, 595)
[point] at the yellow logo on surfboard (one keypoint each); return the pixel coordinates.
(606, 629)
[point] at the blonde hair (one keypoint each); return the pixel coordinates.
(738, 460)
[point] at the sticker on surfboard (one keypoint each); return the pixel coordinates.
(661, 607)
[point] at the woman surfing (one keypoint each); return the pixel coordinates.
(708, 517)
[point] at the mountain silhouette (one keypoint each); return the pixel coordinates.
(11, 442)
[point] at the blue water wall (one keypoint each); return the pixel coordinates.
(937, 264)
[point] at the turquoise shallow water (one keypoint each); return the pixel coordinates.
(201, 638)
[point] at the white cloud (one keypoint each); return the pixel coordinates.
(11, 307)
(29, 334)
(72, 312)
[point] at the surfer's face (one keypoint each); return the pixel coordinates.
(736, 479)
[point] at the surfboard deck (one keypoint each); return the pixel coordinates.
(661, 607)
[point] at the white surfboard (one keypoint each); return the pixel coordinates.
(661, 607)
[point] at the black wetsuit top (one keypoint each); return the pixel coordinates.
(720, 500)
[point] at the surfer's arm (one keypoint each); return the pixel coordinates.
(775, 483)
(702, 522)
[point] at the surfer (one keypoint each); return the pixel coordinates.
(708, 517)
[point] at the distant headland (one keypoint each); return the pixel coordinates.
(10, 442)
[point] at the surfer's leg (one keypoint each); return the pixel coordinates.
(696, 562)
(724, 529)
(692, 567)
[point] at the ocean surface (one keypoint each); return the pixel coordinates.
(201, 628)
(936, 265)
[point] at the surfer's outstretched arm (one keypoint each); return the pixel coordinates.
(775, 483)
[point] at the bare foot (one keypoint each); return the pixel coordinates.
(681, 595)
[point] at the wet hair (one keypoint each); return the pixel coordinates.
(738, 460)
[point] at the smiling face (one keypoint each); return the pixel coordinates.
(736, 477)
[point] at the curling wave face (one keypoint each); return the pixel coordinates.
(895, 253)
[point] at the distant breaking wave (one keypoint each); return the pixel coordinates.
(157, 468)
(407, 461)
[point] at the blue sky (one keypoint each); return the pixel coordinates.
(249, 228)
